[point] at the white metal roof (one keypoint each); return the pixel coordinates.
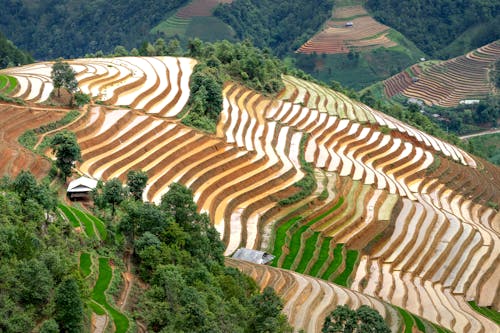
(82, 184)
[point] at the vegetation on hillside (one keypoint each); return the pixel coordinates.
(10, 55)
(280, 25)
(40, 284)
(364, 319)
(180, 255)
(220, 62)
(433, 25)
(70, 29)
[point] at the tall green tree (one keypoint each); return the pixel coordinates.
(69, 307)
(136, 182)
(63, 76)
(67, 151)
(113, 193)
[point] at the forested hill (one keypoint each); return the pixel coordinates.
(441, 28)
(10, 55)
(72, 28)
(280, 25)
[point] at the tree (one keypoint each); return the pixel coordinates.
(267, 317)
(362, 320)
(69, 307)
(25, 185)
(67, 151)
(63, 76)
(136, 182)
(49, 326)
(113, 193)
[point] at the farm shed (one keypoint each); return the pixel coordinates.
(80, 188)
(255, 256)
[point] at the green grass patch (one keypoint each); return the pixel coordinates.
(197, 27)
(322, 257)
(68, 118)
(98, 295)
(336, 262)
(294, 247)
(350, 261)
(487, 312)
(99, 225)
(28, 139)
(85, 264)
(3, 81)
(281, 238)
(408, 320)
(14, 100)
(89, 226)
(96, 308)
(419, 323)
(69, 215)
(307, 255)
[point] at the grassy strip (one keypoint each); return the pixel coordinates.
(408, 320)
(89, 226)
(99, 225)
(72, 218)
(307, 184)
(294, 247)
(328, 212)
(68, 118)
(350, 261)
(96, 308)
(440, 329)
(308, 252)
(335, 264)
(281, 238)
(8, 99)
(98, 295)
(12, 84)
(489, 313)
(322, 257)
(419, 323)
(3, 81)
(85, 264)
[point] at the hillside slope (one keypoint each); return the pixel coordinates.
(447, 83)
(329, 185)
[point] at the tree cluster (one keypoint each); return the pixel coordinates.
(362, 320)
(39, 281)
(70, 29)
(280, 25)
(67, 151)
(433, 25)
(10, 55)
(179, 254)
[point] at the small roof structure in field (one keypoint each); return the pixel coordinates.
(255, 256)
(82, 185)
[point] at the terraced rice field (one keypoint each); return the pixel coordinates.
(14, 120)
(447, 83)
(350, 28)
(393, 213)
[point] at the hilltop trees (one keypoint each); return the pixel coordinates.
(136, 182)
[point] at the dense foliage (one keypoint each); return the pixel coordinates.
(363, 320)
(66, 150)
(434, 24)
(39, 281)
(180, 255)
(280, 25)
(50, 29)
(222, 61)
(10, 55)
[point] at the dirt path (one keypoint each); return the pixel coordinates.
(490, 131)
(99, 323)
(129, 279)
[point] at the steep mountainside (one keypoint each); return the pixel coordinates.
(434, 25)
(10, 55)
(51, 29)
(330, 186)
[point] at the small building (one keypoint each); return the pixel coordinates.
(79, 189)
(349, 24)
(469, 101)
(255, 256)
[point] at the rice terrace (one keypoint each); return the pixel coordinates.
(396, 219)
